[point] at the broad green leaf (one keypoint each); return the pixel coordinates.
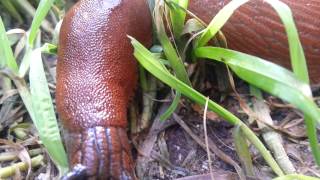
(45, 118)
(273, 79)
(245, 65)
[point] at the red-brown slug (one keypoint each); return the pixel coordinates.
(255, 28)
(97, 74)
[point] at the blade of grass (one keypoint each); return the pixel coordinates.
(298, 60)
(151, 64)
(173, 106)
(218, 21)
(169, 50)
(273, 79)
(265, 72)
(40, 99)
(299, 65)
(45, 118)
(41, 12)
(172, 56)
(177, 15)
(28, 9)
(242, 150)
(7, 58)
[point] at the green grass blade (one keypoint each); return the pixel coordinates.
(45, 119)
(298, 63)
(178, 15)
(242, 149)
(174, 59)
(273, 79)
(158, 71)
(6, 54)
(170, 52)
(173, 106)
(42, 11)
(151, 64)
(218, 21)
(298, 60)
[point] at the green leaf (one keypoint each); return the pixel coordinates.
(42, 11)
(45, 118)
(169, 50)
(151, 64)
(298, 60)
(218, 21)
(273, 79)
(173, 106)
(178, 15)
(242, 149)
(6, 54)
(157, 69)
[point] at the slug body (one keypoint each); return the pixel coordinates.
(255, 28)
(96, 77)
(96, 71)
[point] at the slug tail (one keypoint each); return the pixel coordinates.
(104, 152)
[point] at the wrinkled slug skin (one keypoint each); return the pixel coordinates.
(256, 29)
(96, 77)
